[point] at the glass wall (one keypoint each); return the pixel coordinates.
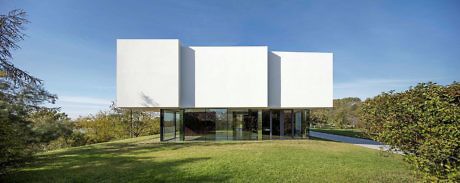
(169, 125)
(266, 127)
(251, 125)
(219, 118)
(306, 117)
(196, 125)
(244, 124)
(298, 124)
(232, 124)
(288, 124)
(177, 124)
(276, 127)
(237, 121)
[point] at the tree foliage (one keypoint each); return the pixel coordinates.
(27, 126)
(48, 125)
(20, 95)
(11, 27)
(424, 123)
(344, 114)
(117, 124)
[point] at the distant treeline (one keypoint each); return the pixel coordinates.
(113, 124)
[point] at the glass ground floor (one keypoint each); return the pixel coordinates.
(233, 124)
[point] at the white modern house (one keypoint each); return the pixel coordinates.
(223, 92)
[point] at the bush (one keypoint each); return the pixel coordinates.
(422, 122)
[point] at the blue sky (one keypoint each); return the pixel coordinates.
(377, 45)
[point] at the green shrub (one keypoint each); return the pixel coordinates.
(424, 123)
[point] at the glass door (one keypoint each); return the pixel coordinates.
(298, 125)
(169, 125)
(244, 123)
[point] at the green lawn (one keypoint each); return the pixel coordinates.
(144, 159)
(345, 132)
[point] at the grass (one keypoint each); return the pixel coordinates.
(144, 159)
(344, 132)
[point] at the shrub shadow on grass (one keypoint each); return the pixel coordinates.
(145, 160)
(134, 149)
(114, 162)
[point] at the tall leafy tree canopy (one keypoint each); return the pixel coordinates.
(11, 27)
(21, 94)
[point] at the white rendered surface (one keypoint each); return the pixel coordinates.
(230, 76)
(148, 73)
(160, 73)
(187, 77)
(300, 79)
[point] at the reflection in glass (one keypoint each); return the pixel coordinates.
(169, 125)
(298, 125)
(250, 125)
(266, 124)
(219, 118)
(232, 124)
(197, 127)
(288, 124)
(244, 124)
(177, 124)
(276, 124)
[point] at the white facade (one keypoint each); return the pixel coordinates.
(300, 79)
(148, 73)
(229, 77)
(156, 74)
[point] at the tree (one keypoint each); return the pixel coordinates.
(48, 125)
(422, 122)
(137, 123)
(11, 27)
(20, 94)
(344, 114)
(117, 123)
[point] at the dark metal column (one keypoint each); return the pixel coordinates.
(307, 122)
(292, 123)
(181, 125)
(271, 126)
(161, 124)
(281, 124)
(131, 125)
(175, 125)
(259, 124)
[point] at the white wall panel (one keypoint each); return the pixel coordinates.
(187, 77)
(159, 73)
(231, 76)
(300, 79)
(148, 73)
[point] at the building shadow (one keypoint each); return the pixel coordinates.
(148, 101)
(274, 80)
(187, 77)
